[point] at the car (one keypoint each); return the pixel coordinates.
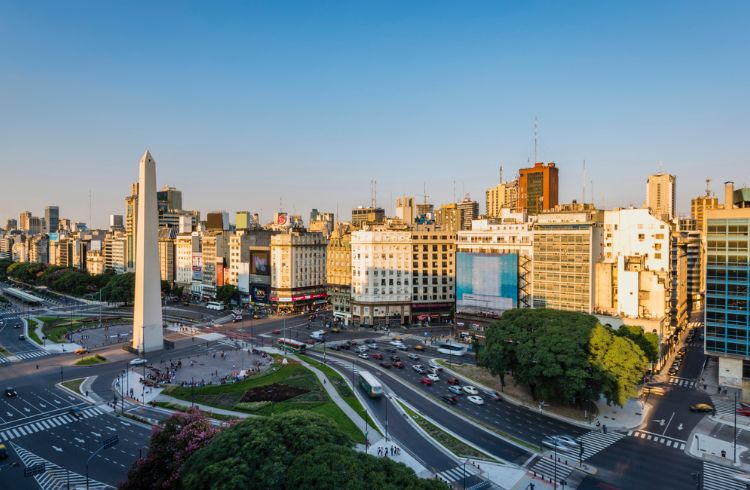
(399, 364)
(395, 358)
(702, 407)
(370, 341)
(456, 390)
(377, 356)
(137, 362)
(553, 443)
(397, 337)
(413, 357)
(419, 347)
(335, 330)
(437, 368)
(3, 451)
(391, 350)
(10, 392)
(452, 381)
(471, 390)
(477, 400)
(385, 364)
(450, 399)
(745, 412)
(276, 331)
(22, 337)
(345, 346)
(75, 412)
(433, 370)
(363, 355)
(310, 341)
(434, 377)
(673, 371)
(494, 395)
(81, 350)
(567, 440)
(395, 343)
(418, 368)
(403, 347)
(426, 381)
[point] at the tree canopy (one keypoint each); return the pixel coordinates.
(120, 288)
(227, 293)
(562, 356)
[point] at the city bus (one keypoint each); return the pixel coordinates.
(370, 384)
(452, 348)
(291, 345)
(215, 305)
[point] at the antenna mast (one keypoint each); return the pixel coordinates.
(501, 174)
(584, 183)
(536, 128)
(708, 187)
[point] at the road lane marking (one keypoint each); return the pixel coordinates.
(58, 449)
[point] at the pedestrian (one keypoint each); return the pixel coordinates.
(380, 451)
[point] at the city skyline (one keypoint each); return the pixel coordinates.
(307, 104)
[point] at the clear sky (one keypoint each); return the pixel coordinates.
(246, 103)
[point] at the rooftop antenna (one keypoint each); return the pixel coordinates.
(373, 192)
(584, 183)
(424, 190)
(454, 190)
(281, 204)
(91, 225)
(592, 192)
(708, 187)
(536, 131)
(501, 173)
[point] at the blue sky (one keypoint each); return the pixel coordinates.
(246, 103)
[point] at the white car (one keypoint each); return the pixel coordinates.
(567, 441)
(362, 355)
(471, 390)
(475, 399)
(434, 377)
(137, 362)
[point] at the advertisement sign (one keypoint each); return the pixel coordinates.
(486, 284)
(259, 294)
(197, 266)
(260, 262)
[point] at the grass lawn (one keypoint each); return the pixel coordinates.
(55, 328)
(91, 360)
(229, 396)
(183, 408)
(74, 384)
(32, 331)
(342, 388)
(4, 351)
(454, 445)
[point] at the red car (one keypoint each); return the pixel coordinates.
(426, 381)
(399, 364)
(385, 364)
(452, 381)
(276, 331)
(744, 412)
(377, 356)
(310, 342)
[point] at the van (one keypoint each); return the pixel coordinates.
(318, 335)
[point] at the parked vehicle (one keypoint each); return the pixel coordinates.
(477, 400)
(452, 381)
(450, 399)
(456, 390)
(471, 390)
(426, 381)
(377, 356)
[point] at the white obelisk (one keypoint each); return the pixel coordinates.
(147, 327)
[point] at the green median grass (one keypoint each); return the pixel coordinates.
(74, 384)
(342, 388)
(32, 331)
(229, 396)
(4, 351)
(91, 360)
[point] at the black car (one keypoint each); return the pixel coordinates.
(391, 350)
(10, 392)
(75, 412)
(449, 399)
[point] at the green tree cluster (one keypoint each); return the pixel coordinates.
(227, 293)
(67, 280)
(648, 342)
(4, 264)
(120, 288)
(563, 357)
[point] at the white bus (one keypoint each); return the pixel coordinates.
(452, 348)
(370, 384)
(215, 305)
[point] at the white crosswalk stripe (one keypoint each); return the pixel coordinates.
(4, 359)
(717, 477)
(684, 382)
(42, 425)
(455, 474)
(596, 441)
(55, 477)
(32, 354)
(678, 444)
(545, 468)
(723, 406)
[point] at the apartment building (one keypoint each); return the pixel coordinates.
(167, 260)
(502, 196)
(249, 264)
(433, 273)
(661, 195)
(339, 272)
(538, 188)
(298, 270)
(214, 257)
(567, 243)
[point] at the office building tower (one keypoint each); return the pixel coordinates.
(168, 199)
(11, 224)
(24, 221)
(243, 220)
(217, 221)
(370, 215)
(448, 217)
(538, 188)
(503, 196)
(433, 274)
(405, 209)
(116, 222)
(131, 226)
(298, 270)
(661, 195)
(35, 225)
(469, 211)
(727, 317)
(51, 219)
(339, 272)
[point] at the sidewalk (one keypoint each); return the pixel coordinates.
(48, 346)
(614, 417)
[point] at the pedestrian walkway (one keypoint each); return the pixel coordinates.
(55, 477)
(553, 470)
(678, 444)
(42, 425)
(717, 477)
(723, 406)
(4, 359)
(32, 354)
(596, 441)
(456, 473)
(684, 382)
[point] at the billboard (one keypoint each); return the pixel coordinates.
(197, 266)
(260, 263)
(486, 284)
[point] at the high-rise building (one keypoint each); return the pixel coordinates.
(567, 245)
(369, 215)
(11, 224)
(727, 318)
(698, 207)
(187, 245)
(243, 220)
(116, 222)
(469, 211)
(298, 270)
(448, 217)
(538, 188)
(661, 195)
(215, 254)
(51, 219)
(503, 196)
(35, 225)
(433, 273)
(167, 261)
(131, 226)
(217, 221)
(339, 271)
(168, 199)
(24, 221)
(405, 209)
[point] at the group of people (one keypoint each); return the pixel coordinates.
(394, 451)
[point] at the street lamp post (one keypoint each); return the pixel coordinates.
(734, 459)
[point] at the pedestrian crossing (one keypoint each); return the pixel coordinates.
(593, 442)
(717, 477)
(32, 354)
(456, 473)
(722, 405)
(4, 359)
(47, 424)
(55, 477)
(684, 382)
(659, 439)
(550, 469)
(596, 441)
